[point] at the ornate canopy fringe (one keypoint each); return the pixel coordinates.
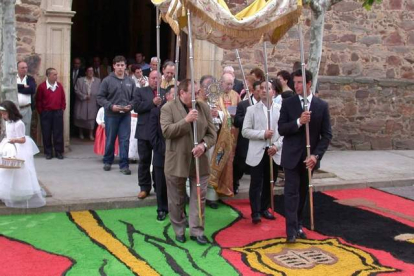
(213, 21)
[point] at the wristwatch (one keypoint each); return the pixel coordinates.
(205, 146)
(317, 157)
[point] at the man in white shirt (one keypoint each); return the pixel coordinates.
(26, 88)
(255, 128)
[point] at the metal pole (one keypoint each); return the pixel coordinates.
(269, 105)
(158, 52)
(193, 101)
(246, 87)
(177, 61)
(306, 106)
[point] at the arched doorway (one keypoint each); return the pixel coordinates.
(106, 28)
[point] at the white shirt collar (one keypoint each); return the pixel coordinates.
(253, 100)
(21, 81)
(52, 87)
(310, 97)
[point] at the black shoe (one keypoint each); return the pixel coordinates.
(202, 240)
(267, 215)
(256, 218)
(212, 204)
(291, 239)
(107, 167)
(180, 239)
(126, 171)
(161, 215)
(300, 234)
(59, 156)
(48, 156)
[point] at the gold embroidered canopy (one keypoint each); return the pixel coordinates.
(212, 20)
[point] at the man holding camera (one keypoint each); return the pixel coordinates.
(116, 96)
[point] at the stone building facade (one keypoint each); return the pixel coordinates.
(367, 66)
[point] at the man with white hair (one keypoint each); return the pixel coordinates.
(238, 85)
(153, 66)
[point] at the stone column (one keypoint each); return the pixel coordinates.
(8, 61)
(53, 40)
(207, 59)
(1, 42)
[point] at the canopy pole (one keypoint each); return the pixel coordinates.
(177, 61)
(158, 52)
(193, 101)
(269, 105)
(306, 107)
(246, 87)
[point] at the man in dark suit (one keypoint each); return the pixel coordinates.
(145, 99)
(292, 123)
(158, 144)
(240, 166)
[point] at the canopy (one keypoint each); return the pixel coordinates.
(213, 21)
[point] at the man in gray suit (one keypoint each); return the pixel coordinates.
(177, 124)
(255, 128)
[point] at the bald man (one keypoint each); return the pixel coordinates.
(145, 99)
(238, 84)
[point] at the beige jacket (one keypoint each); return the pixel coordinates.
(179, 142)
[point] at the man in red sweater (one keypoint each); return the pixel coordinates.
(50, 104)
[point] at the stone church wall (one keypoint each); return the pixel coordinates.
(367, 68)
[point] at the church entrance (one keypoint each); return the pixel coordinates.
(107, 28)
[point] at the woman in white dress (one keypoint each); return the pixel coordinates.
(19, 188)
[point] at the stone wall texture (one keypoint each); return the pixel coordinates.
(377, 43)
(370, 114)
(27, 15)
(367, 71)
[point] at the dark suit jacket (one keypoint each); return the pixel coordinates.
(143, 103)
(146, 72)
(238, 86)
(294, 141)
(242, 143)
(156, 138)
(31, 90)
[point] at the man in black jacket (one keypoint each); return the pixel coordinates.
(240, 166)
(292, 123)
(116, 96)
(158, 144)
(26, 88)
(145, 99)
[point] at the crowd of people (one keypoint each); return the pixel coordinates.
(137, 120)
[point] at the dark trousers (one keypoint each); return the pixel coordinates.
(161, 189)
(52, 127)
(259, 191)
(296, 192)
(117, 126)
(145, 158)
(239, 168)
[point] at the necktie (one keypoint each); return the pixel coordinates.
(155, 93)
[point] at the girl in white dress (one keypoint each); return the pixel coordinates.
(19, 188)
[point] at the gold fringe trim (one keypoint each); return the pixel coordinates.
(279, 32)
(287, 19)
(173, 24)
